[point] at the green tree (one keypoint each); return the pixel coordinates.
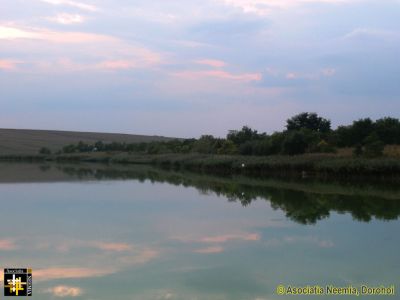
(373, 146)
(242, 136)
(294, 143)
(360, 130)
(264, 147)
(388, 130)
(343, 136)
(276, 141)
(247, 148)
(354, 134)
(309, 121)
(227, 147)
(205, 144)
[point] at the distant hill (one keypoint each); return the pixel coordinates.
(26, 141)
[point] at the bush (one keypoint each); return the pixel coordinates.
(45, 151)
(227, 147)
(373, 146)
(69, 149)
(358, 150)
(324, 147)
(294, 143)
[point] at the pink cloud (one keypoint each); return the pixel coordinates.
(117, 64)
(64, 247)
(229, 237)
(210, 250)
(80, 5)
(211, 62)
(291, 75)
(67, 19)
(64, 273)
(11, 33)
(263, 7)
(245, 77)
(66, 64)
(7, 245)
(6, 64)
(219, 239)
(62, 291)
(117, 247)
(142, 257)
(108, 52)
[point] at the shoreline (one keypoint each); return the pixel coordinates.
(307, 165)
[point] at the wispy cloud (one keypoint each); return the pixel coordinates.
(70, 272)
(9, 64)
(68, 65)
(12, 33)
(263, 7)
(245, 77)
(214, 244)
(210, 250)
(219, 239)
(360, 33)
(231, 237)
(67, 19)
(211, 62)
(66, 246)
(80, 5)
(116, 247)
(62, 291)
(117, 64)
(140, 257)
(7, 245)
(106, 52)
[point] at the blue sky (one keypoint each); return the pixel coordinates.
(185, 68)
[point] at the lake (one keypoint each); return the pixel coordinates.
(132, 232)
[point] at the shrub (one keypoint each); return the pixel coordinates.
(373, 146)
(294, 143)
(45, 151)
(323, 147)
(358, 150)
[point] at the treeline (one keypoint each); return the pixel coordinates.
(304, 133)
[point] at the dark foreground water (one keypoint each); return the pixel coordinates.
(101, 232)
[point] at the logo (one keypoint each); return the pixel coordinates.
(17, 282)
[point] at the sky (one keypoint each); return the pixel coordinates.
(189, 67)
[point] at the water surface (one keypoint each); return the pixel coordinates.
(103, 232)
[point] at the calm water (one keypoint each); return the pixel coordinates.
(135, 233)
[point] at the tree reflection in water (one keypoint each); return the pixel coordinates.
(303, 201)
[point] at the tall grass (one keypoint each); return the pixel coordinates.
(322, 165)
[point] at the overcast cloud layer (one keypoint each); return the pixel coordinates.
(188, 67)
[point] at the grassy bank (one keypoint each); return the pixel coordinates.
(323, 165)
(318, 165)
